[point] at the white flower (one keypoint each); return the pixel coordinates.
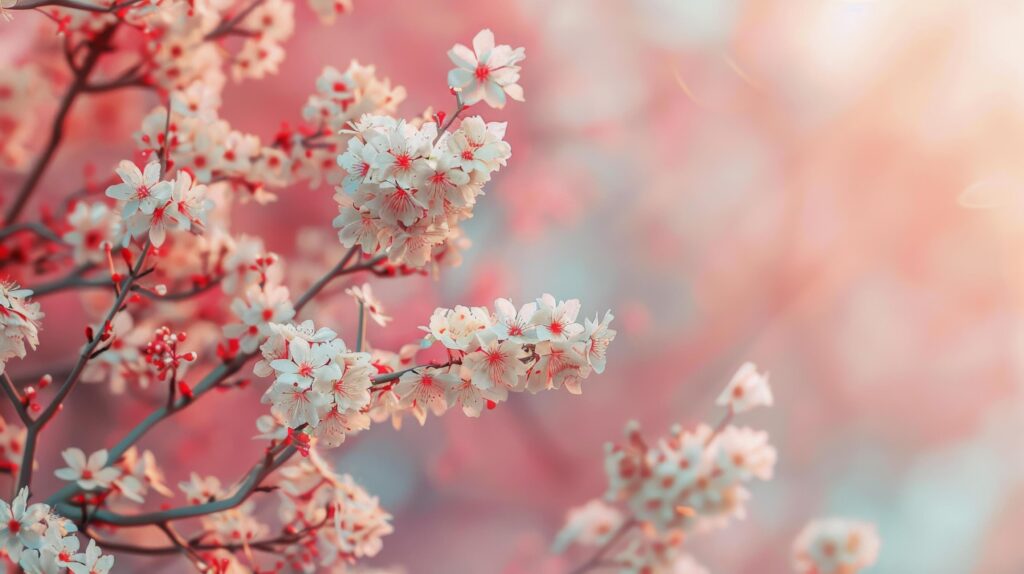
(140, 190)
(497, 363)
(364, 295)
(555, 321)
(478, 146)
(440, 182)
(199, 100)
(835, 546)
(351, 391)
(259, 308)
(201, 489)
(91, 473)
(473, 399)
(92, 561)
(394, 204)
(592, 524)
(298, 406)
(511, 324)
(155, 223)
(90, 227)
(426, 390)
(20, 524)
(357, 161)
(487, 72)
(748, 389)
(334, 425)
(598, 337)
(190, 202)
(306, 364)
(19, 322)
(457, 328)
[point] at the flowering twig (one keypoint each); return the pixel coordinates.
(32, 436)
(19, 403)
(245, 490)
(210, 381)
(226, 26)
(595, 561)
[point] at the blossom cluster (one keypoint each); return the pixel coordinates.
(409, 184)
(19, 322)
(159, 240)
(322, 385)
(319, 383)
(326, 520)
(408, 188)
(195, 139)
(130, 478)
(41, 542)
(536, 347)
(835, 546)
(693, 481)
(150, 206)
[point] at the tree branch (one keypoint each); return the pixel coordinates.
(92, 57)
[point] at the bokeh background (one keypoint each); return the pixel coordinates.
(830, 188)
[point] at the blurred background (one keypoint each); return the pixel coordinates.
(829, 188)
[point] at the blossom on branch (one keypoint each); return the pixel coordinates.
(835, 546)
(19, 322)
(487, 72)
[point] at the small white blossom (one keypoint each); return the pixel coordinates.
(748, 389)
(487, 72)
(91, 473)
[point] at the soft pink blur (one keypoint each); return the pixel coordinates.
(832, 189)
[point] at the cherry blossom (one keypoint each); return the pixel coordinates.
(91, 227)
(140, 191)
(487, 72)
(19, 322)
(91, 473)
(182, 303)
(748, 389)
(364, 295)
(835, 546)
(21, 524)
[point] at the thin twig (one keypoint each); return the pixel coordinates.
(92, 57)
(19, 403)
(596, 559)
(32, 436)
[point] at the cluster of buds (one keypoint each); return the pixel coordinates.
(161, 353)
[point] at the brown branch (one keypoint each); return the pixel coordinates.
(92, 57)
(212, 380)
(31, 438)
(596, 560)
(73, 5)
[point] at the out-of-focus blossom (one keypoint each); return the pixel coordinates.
(835, 546)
